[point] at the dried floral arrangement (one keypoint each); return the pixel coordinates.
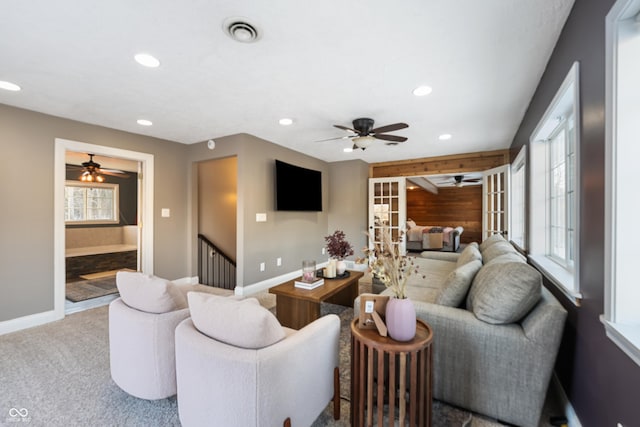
(388, 265)
(337, 246)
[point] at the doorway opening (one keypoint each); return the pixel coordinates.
(122, 230)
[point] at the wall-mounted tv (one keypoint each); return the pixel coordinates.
(297, 188)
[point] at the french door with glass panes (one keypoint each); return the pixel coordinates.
(495, 202)
(388, 208)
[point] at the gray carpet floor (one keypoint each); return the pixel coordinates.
(58, 375)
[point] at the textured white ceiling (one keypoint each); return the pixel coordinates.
(320, 63)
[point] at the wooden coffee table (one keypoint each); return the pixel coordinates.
(296, 308)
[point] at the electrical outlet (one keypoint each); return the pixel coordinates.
(278, 262)
(262, 266)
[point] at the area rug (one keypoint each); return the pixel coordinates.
(86, 289)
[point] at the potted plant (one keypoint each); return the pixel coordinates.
(393, 269)
(339, 248)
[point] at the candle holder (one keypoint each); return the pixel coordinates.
(308, 271)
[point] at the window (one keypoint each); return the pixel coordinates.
(622, 293)
(90, 203)
(554, 149)
(518, 206)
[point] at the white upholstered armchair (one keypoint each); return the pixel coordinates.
(142, 324)
(255, 372)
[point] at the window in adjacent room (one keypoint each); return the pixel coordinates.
(622, 293)
(90, 203)
(518, 205)
(554, 149)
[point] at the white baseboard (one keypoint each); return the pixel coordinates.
(265, 284)
(569, 412)
(254, 288)
(187, 281)
(29, 321)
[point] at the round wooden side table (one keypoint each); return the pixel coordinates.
(391, 374)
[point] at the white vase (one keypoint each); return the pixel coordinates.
(341, 267)
(400, 317)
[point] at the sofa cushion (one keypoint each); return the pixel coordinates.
(508, 257)
(241, 323)
(470, 253)
(149, 293)
(457, 284)
(496, 250)
(504, 292)
(490, 241)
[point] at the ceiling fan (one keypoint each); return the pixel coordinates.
(91, 171)
(363, 133)
(460, 180)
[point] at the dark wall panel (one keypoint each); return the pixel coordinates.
(600, 380)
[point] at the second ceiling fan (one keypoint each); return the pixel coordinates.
(363, 133)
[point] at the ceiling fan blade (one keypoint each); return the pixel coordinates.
(339, 137)
(390, 128)
(346, 128)
(114, 172)
(472, 180)
(392, 138)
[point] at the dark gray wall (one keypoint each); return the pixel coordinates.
(600, 380)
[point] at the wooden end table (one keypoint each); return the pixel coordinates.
(296, 307)
(380, 367)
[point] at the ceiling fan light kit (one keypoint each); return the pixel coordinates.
(363, 134)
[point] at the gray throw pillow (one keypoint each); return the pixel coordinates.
(496, 250)
(241, 323)
(457, 284)
(504, 293)
(470, 253)
(490, 241)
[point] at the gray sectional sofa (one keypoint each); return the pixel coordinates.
(496, 329)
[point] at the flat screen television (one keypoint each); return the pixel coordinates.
(298, 188)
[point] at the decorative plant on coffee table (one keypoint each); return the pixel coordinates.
(394, 269)
(339, 248)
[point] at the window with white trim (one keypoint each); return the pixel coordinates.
(518, 206)
(554, 149)
(622, 293)
(90, 203)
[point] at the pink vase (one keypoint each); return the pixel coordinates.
(400, 317)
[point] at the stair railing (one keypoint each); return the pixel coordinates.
(215, 268)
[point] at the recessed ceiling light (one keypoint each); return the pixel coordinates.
(9, 86)
(147, 60)
(145, 122)
(285, 121)
(445, 137)
(422, 91)
(348, 150)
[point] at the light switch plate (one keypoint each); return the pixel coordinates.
(261, 217)
(166, 213)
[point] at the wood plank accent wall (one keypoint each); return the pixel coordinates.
(457, 163)
(450, 207)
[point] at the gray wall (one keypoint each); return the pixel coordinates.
(348, 201)
(600, 380)
(217, 201)
(26, 247)
(292, 236)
